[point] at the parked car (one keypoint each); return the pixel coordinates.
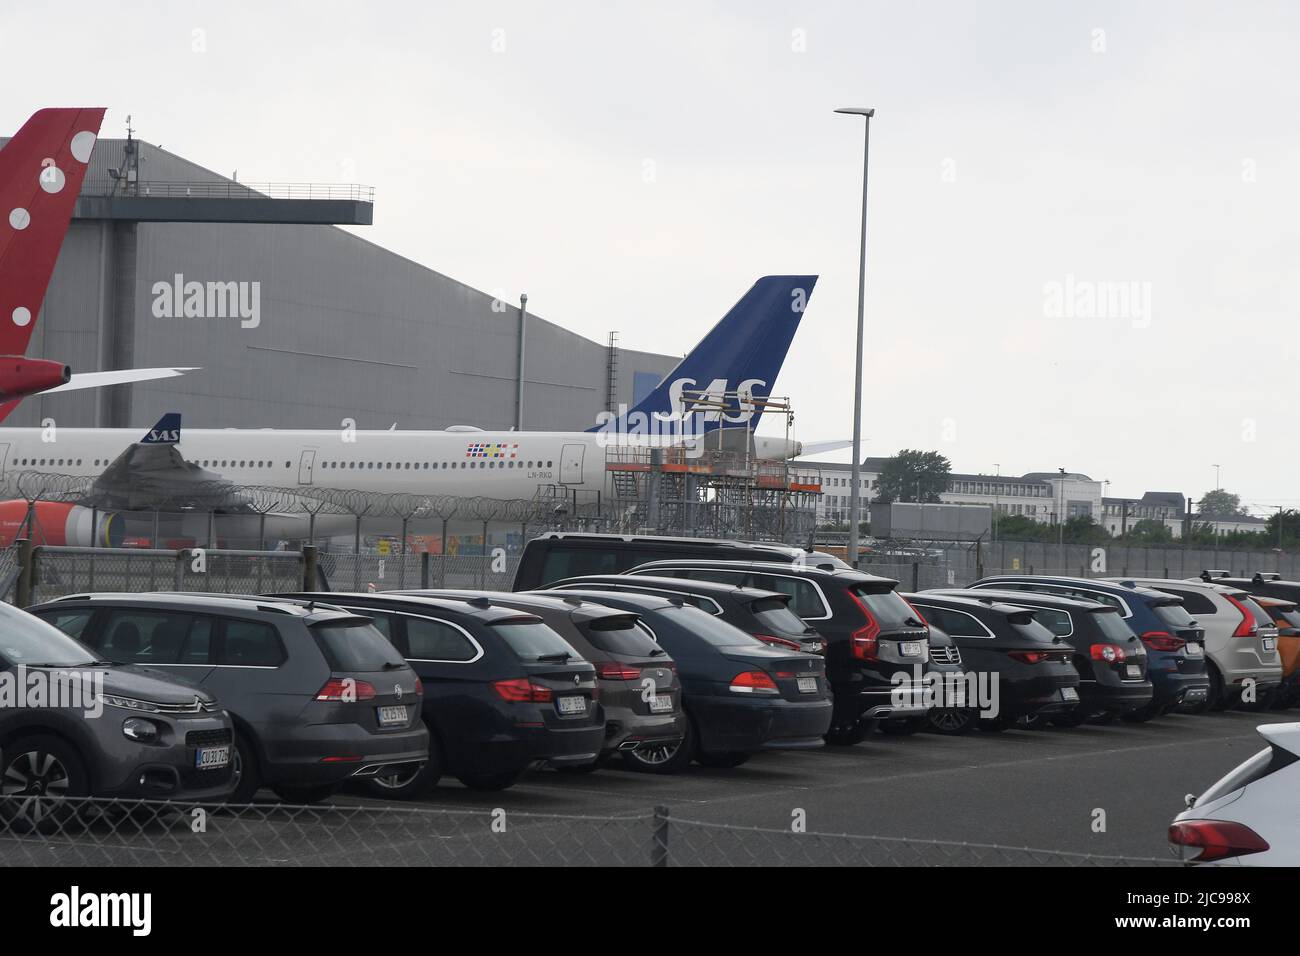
(115, 731)
(952, 714)
(1240, 639)
(765, 615)
(637, 679)
(558, 554)
(871, 634)
(1175, 643)
(740, 695)
(1286, 615)
(1110, 659)
(317, 696)
(503, 692)
(1028, 669)
(1248, 817)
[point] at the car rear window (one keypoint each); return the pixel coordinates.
(1055, 620)
(1112, 625)
(1267, 761)
(532, 640)
(775, 617)
(619, 635)
(1025, 626)
(709, 628)
(1260, 615)
(1292, 616)
(1174, 615)
(889, 610)
(355, 646)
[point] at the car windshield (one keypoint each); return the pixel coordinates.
(1113, 626)
(356, 646)
(619, 635)
(1174, 615)
(774, 615)
(709, 628)
(532, 640)
(26, 639)
(889, 610)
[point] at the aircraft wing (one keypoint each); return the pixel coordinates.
(81, 380)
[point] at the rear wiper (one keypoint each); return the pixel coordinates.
(657, 651)
(913, 622)
(394, 666)
(559, 658)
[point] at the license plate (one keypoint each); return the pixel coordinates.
(1195, 650)
(661, 705)
(1270, 644)
(1133, 671)
(807, 685)
(208, 758)
(911, 648)
(572, 705)
(392, 716)
(1069, 693)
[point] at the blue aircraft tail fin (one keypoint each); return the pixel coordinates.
(166, 432)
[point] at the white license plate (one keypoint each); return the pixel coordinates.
(392, 715)
(209, 758)
(1069, 693)
(807, 685)
(661, 705)
(911, 648)
(571, 705)
(1194, 649)
(1133, 671)
(1270, 644)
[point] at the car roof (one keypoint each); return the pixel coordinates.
(959, 602)
(648, 602)
(1210, 587)
(1099, 584)
(209, 600)
(1286, 736)
(845, 575)
(587, 610)
(1271, 600)
(685, 585)
(381, 600)
(1034, 599)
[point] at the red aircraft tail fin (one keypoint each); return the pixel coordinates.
(41, 170)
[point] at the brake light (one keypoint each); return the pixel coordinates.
(521, 690)
(346, 689)
(864, 642)
(1030, 657)
(419, 687)
(1163, 641)
(753, 682)
(1110, 653)
(1248, 627)
(1216, 839)
(612, 670)
(780, 642)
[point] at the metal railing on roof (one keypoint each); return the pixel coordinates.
(354, 192)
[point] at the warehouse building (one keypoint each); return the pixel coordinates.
(293, 321)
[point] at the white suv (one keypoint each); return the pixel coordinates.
(1240, 640)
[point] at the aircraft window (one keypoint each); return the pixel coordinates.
(78, 462)
(548, 464)
(287, 464)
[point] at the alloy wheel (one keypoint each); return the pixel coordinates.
(39, 777)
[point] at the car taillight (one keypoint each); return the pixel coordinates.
(521, 690)
(1216, 839)
(1110, 653)
(346, 689)
(1030, 657)
(1248, 627)
(419, 687)
(864, 642)
(753, 682)
(613, 670)
(1163, 641)
(780, 642)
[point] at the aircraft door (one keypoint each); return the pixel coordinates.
(571, 464)
(306, 466)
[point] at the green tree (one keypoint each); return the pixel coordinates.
(1220, 504)
(1019, 528)
(1290, 520)
(1082, 529)
(914, 475)
(1149, 531)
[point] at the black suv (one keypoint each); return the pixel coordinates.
(503, 692)
(98, 729)
(565, 555)
(317, 696)
(765, 615)
(1110, 659)
(1026, 670)
(871, 635)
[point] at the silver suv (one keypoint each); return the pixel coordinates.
(1240, 640)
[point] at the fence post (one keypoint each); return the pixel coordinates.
(424, 570)
(309, 567)
(916, 576)
(26, 572)
(178, 571)
(659, 837)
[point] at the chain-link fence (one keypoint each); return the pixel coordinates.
(356, 572)
(89, 832)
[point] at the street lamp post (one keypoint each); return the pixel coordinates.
(855, 493)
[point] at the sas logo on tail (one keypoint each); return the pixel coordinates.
(712, 402)
(163, 436)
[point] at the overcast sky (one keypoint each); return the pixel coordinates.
(1082, 245)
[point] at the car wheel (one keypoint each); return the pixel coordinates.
(1217, 698)
(38, 774)
(850, 732)
(905, 726)
(663, 757)
(951, 721)
(244, 770)
(488, 782)
(722, 760)
(305, 795)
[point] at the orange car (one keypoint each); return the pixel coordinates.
(1286, 614)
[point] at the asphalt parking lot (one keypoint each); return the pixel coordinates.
(1036, 788)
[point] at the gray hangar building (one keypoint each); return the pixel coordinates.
(337, 327)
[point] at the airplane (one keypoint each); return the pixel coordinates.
(720, 386)
(41, 171)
